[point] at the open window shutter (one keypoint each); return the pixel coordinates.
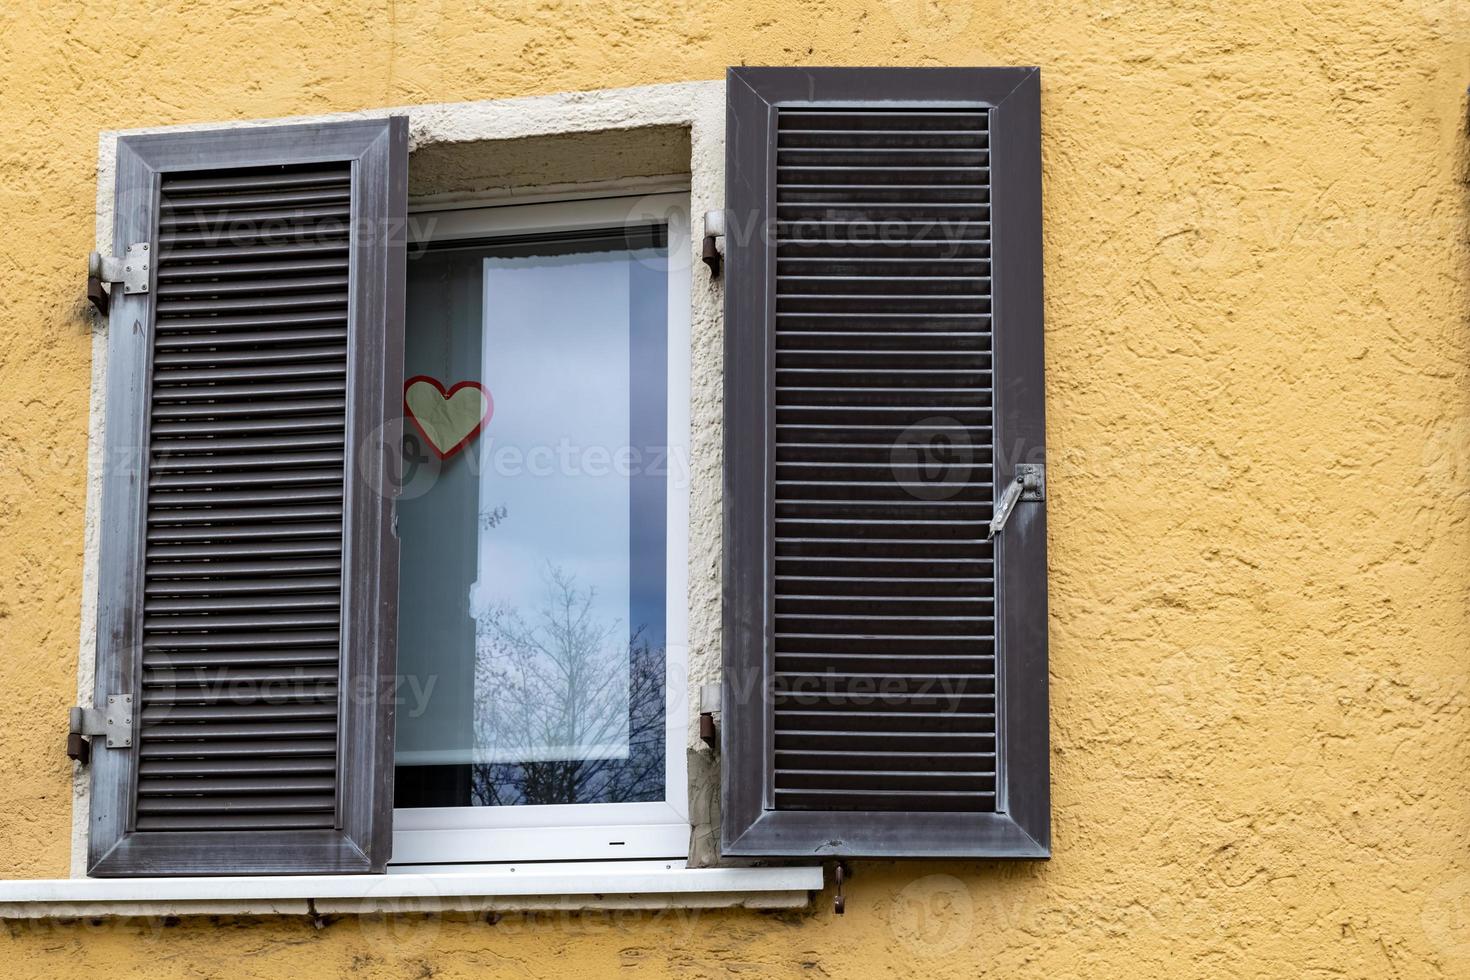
(248, 569)
(885, 664)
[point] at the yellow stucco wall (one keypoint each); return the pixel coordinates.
(1259, 421)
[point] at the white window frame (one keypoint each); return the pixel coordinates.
(587, 831)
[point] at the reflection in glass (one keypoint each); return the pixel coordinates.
(532, 596)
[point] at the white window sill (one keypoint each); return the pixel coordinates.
(501, 888)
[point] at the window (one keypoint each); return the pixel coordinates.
(541, 596)
(337, 635)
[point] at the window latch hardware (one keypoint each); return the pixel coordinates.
(713, 252)
(114, 723)
(1029, 484)
(131, 270)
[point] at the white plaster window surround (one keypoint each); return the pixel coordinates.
(697, 108)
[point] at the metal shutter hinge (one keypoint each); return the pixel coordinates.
(131, 270)
(709, 706)
(1029, 484)
(114, 723)
(839, 899)
(713, 252)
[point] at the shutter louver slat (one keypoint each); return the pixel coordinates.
(187, 325)
(229, 270)
(304, 762)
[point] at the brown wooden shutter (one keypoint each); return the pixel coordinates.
(885, 663)
(248, 571)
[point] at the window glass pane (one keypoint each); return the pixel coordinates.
(532, 597)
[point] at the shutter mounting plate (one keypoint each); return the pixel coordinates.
(131, 270)
(114, 722)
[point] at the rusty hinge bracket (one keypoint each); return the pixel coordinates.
(709, 706)
(712, 253)
(131, 270)
(114, 722)
(839, 900)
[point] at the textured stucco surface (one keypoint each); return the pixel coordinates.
(1259, 424)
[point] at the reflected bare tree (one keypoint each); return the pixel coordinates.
(565, 681)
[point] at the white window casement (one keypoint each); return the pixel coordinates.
(543, 649)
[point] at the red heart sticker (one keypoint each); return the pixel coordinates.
(448, 419)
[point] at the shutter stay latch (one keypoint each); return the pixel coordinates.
(131, 270)
(1029, 484)
(113, 722)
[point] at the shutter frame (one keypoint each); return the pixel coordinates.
(752, 827)
(377, 152)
